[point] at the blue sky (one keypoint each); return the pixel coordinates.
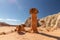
(17, 11)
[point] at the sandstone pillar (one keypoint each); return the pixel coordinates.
(33, 13)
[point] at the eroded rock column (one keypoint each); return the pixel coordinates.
(33, 12)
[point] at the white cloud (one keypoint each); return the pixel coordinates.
(12, 20)
(1, 19)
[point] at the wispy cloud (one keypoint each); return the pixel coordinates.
(1, 19)
(12, 20)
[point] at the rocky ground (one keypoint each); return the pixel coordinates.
(42, 35)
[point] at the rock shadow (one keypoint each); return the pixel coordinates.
(58, 38)
(21, 33)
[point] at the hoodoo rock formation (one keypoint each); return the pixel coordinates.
(51, 21)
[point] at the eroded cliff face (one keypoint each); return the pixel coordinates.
(51, 20)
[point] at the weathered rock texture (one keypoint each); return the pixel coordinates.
(51, 21)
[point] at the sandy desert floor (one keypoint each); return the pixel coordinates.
(42, 35)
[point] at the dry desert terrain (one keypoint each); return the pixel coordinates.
(42, 35)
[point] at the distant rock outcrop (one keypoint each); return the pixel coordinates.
(4, 24)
